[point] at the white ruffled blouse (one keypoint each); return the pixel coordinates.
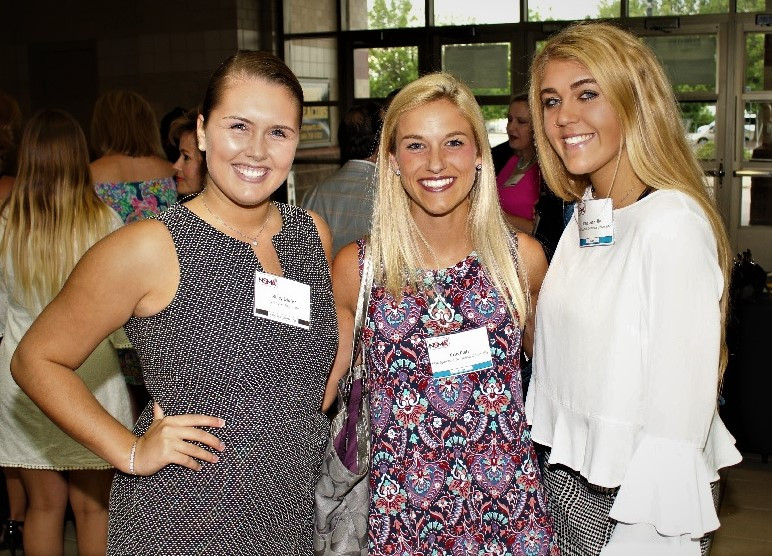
(625, 374)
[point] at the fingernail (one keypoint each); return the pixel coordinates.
(222, 446)
(222, 422)
(216, 459)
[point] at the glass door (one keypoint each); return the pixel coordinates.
(751, 198)
(692, 55)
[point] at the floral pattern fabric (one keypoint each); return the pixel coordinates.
(453, 469)
(137, 200)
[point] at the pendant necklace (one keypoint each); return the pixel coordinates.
(439, 309)
(252, 239)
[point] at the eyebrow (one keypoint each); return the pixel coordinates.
(451, 134)
(248, 121)
(574, 85)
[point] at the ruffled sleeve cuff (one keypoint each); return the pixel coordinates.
(667, 485)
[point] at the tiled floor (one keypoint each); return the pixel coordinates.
(746, 513)
(746, 510)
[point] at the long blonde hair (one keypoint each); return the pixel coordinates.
(53, 214)
(395, 254)
(635, 84)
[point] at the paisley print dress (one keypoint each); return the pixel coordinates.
(453, 469)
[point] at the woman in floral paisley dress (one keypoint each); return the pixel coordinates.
(453, 469)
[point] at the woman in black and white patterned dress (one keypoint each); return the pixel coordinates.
(229, 305)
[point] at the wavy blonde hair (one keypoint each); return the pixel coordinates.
(635, 84)
(395, 253)
(53, 214)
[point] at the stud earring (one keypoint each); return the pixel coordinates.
(478, 167)
(398, 172)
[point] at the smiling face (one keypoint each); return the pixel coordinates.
(436, 154)
(250, 139)
(580, 123)
(519, 128)
(189, 168)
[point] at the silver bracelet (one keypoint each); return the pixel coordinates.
(131, 457)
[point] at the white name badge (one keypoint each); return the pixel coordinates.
(596, 222)
(282, 300)
(460, 353)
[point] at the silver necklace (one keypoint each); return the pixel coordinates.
(252, 240)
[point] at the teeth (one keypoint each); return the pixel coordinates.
(576, 139)
(436, 184)
(251, 173)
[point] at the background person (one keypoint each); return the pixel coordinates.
(224, 459)
(51, 218)
(190, 165)
(629, 348)
(452, 470)
(130, 174)
(519, 180)
(10, 131)
(345, 199)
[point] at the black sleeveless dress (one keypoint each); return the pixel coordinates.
(206, 353)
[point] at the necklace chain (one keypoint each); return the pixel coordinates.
(252, 239)
(626, 195)
(519, 166)
(620, 201)
(428, 247)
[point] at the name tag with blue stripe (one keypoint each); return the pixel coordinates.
(460, 353)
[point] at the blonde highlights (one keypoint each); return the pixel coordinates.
(396, 256)
(53, 214)
(636, 86)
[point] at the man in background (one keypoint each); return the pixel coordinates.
(345, 199)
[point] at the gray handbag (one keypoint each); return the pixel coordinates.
(343, 489)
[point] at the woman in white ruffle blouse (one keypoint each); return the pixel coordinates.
(629, 348)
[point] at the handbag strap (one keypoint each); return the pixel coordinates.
(365, 285)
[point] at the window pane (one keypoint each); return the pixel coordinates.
(319, 125)
(751, 5)
(644, 8)
(550, 10)
(757, 131)
(690, 60)
(464, 12)
(315, 58)
(710, 185)
(699, 120)
(755, 62)
(384, 14)
(378, 71)
(496, 123)
(484, 67)
(309, 16)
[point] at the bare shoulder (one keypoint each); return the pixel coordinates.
(139, 260)
(345, 275)
(532, 257)
(324, 233)
(122, 168)
(141, 238)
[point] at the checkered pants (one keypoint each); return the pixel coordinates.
(581, 512)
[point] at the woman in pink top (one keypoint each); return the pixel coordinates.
(519, 179)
